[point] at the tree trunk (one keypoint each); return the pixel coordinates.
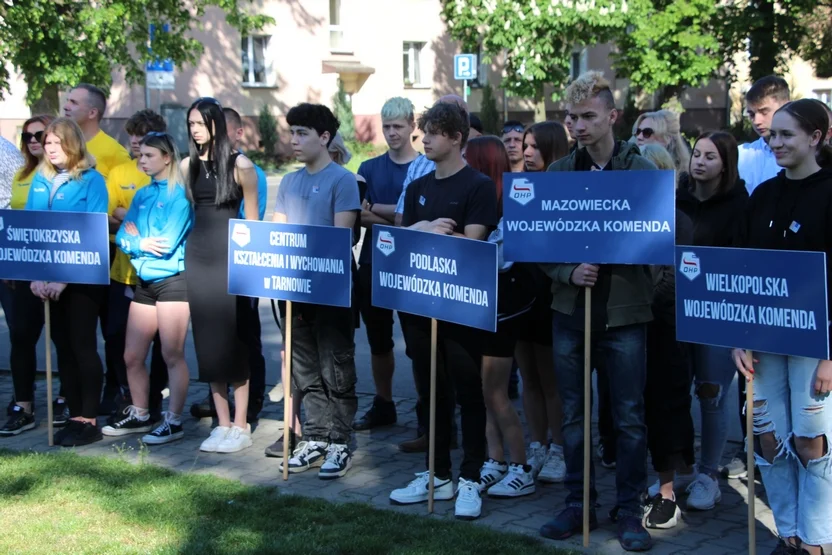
(668, 92)
(763, 51)
(539, 106)
(48, 103)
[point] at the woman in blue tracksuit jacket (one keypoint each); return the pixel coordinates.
(66, 181)
(153, 235)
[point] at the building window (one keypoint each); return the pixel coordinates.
(824, 96)
(256, 68)
(578, 64)
(337, 38)
(412, 64)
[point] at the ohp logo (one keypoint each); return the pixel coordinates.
(241, 235)
(689, 267)
(386, 243)
(522, 191)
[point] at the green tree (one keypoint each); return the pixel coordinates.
(343, 111)
(537, 37)
(489, 115)
(269, 137)
(60, 43)
(773, 31)
(668, 46)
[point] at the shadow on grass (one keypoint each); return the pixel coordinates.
(205, 514)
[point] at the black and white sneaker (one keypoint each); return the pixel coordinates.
(18, 422)
(662, 513)
(60, 413)
(128, 422)
(308, 454)
(338, 461)
(79, 434)
(165, 432)
(518, 482)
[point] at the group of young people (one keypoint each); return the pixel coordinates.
(169, 219)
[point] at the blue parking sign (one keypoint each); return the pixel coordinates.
(763, 300)
(465, 67)
(63, 247)
(290, 262)
(437, 276)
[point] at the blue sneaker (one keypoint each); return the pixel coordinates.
(632, 535)
(568, 523)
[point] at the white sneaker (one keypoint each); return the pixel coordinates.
(417, 490)
(704, 493)
(468, 500)
(236, 440)
(307, 454)
(536, 457)
(681, 482)
(491, 473)
(516, 483)
(554, 469)
(217, 435)
(338, 461)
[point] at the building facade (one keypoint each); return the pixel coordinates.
(377, 48)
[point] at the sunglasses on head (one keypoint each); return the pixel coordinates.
(510, 128)
(27, 137)
(647, 132)
(209, 100)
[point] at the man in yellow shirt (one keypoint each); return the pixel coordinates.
(86, 105)
(122, 184)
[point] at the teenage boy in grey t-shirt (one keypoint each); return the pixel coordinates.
(323, 346)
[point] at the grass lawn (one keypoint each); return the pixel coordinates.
(65, 503)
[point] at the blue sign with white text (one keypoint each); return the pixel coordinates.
(157, 64)
(301, 263)
(61, 247)
(465, 66)
(763, 300)
(452, 279)
(597, 217)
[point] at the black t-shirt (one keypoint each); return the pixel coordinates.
(467, 197)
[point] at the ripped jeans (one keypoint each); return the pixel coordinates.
(800, 497)
(713, 372)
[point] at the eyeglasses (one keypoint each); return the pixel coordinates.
(510, 128)
(27, 137)
(156, 134)
(647, 132)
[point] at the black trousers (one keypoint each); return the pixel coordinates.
(458, 369)
(115, 337)
(74, 327)
(667, 399)
(24, 330)
(256, 360)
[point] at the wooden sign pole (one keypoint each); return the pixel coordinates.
(47, 324)
(587, 407)
(288, 416)
(432, 425)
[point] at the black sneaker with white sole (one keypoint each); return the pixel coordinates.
(128, 422)
(275, 450)
(81, 433)
(165, 432)
(308, 454)
(662, 513)
(338, 461)
(60, 413)
(18, 422)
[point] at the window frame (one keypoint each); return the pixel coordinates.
(414, 55)
(268, 73)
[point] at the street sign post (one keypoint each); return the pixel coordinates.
(465, 69)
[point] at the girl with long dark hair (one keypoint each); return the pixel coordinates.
(543, 144)
(153, 235)
(216, 181)
(792, 405)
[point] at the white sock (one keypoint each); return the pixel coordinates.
(173, 418)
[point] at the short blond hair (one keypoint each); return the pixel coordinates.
(74, 146)
(658, 155)
(667, 126)
(588, 85)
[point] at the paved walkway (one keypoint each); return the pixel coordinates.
(379, 467)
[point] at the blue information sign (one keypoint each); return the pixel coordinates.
(465, 66)
(437, 276)
(63, 247)
(762, 300)
(302, 263)
(605, 217)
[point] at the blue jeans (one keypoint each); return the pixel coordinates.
(622, 352)
(800, 496)
(713, 372)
